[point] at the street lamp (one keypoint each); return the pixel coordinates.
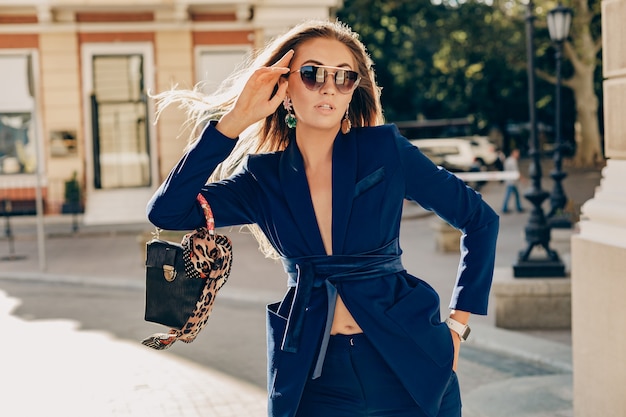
(559, 21)
(537, 231)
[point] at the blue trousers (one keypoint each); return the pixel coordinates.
(356, 382)
(511, 189)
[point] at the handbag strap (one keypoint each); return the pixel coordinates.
(208, 214)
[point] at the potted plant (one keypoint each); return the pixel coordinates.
(72, 203)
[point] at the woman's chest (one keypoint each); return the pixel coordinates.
(312, 219)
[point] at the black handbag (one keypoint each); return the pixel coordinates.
(171, 294)
(182, 281)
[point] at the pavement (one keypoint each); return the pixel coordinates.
(35, 354)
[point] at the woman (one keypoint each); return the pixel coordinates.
(356, 334)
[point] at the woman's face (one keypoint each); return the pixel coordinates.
(324, 108)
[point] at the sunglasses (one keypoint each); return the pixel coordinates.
(314, 77)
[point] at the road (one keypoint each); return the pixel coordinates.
(234, 340)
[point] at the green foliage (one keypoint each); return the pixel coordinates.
(456, 59)
(402, 37)
(72, 189)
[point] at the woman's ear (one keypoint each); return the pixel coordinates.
(284, 79)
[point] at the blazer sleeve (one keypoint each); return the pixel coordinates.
(450, 198)
(174, 206)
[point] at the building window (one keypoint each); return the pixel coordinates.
(214, 65)
(120, 130)
(16, 153)
(17, 140)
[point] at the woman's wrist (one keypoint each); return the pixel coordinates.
(460, 316)
(229, 126)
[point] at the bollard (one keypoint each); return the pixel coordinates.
(8, 232)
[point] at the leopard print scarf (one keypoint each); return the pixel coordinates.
(207, 256)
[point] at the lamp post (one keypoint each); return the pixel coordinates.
(537, 231)
(559, 21)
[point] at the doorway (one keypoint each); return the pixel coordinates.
(118, 135)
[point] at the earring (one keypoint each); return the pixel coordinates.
(346, 124)
(290, 119)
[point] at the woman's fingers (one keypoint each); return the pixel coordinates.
(280, 94)
(285, 59)
(257, 97)
(266, 88)
(262, 94)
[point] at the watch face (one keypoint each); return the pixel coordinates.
(466, 333)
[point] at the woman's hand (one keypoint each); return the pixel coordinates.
(462, 317)
(256, 101)
(456, 341)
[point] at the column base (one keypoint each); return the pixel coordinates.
(538, 268)
(539, 303)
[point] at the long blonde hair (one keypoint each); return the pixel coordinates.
(272, 133)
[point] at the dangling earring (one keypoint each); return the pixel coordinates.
(290, 119)
(346, 124)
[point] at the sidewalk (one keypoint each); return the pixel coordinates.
(135, 385)
(49, 367)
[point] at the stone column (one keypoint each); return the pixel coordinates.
(599, 251)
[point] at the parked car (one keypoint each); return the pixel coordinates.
(485, 150)
(459, 154)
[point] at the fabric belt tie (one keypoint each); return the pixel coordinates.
(308, 272)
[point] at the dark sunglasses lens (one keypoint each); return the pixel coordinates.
(314, 77)
(344, 80)
(308, 74)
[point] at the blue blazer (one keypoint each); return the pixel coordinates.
(374, 170)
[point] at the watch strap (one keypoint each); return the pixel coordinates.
(463, 330)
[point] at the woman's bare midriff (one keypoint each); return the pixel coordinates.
(344, 323)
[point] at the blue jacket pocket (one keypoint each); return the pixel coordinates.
(418, 315)
(369, 181)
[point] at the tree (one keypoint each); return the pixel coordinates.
(445, 60)
(468, 58)
(483, 55)
(582, 51)
(402, 36)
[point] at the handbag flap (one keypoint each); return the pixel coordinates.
(160, 252)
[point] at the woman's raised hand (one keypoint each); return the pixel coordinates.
(256, 102)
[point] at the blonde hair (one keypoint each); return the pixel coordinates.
(272, 133)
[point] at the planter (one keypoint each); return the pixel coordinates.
(72, 208)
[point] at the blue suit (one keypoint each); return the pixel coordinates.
(374, 170)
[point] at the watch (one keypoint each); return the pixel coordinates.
(463, 330)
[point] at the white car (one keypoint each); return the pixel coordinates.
(459, 154)
(485, 150)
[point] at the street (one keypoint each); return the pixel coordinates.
(94, 278)
(234, 340)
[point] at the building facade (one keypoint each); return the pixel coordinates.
(75, 77)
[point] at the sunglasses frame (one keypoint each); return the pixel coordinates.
(318, 84)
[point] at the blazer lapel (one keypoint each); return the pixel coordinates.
(344, 180)
(296, 189)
